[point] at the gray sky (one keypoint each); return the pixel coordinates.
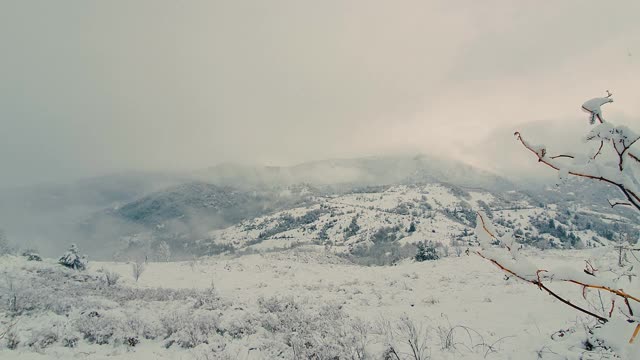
(89, 87)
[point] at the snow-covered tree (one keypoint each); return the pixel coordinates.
(163, 252)
(72, 260)
(612, 161)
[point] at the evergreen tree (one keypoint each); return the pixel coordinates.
(426, 252)
(72, 260)
(353, 228)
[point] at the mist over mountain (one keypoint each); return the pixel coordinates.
(104, 214)
(368, 171)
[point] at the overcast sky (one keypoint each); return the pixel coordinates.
(92, 87)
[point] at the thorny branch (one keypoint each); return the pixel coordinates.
(618, 203)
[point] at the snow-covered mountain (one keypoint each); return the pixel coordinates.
(347, 204)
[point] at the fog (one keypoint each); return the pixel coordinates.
(289, 179)
(92, 88)
(160, 93)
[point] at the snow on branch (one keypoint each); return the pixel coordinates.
(593, 106)
(621, 139)
(505, 253)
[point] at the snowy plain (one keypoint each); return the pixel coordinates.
(460, 307)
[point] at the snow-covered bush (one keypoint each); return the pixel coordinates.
(72, 260)
(6, 330)
(195, 328)
(239, 323)
(99, 327)
(405, 339)
(111, 278)
(43, 338)
(137, 268)
(12, 340)
(380, 254)
(32, 255)
(310, 331)
(612, 161)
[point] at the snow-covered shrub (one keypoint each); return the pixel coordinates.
(612, 161)
(32, 256)
(460, 338)
(380, 254)
(72, 260)
(70, 342)
(141, 322)
(208, 299)
(415, 336)
(310, 332)
(239, 323)
(403, 340)
(99, 327)
(12, 340)
(18, 298)
(190, 328)
(137, 268)
(43, 338)
(8, 334)
(132, 341)
(68, 334)
(114, 327)
(111, 278)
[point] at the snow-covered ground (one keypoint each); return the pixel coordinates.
(286, 304)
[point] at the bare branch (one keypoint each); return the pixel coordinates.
(6, 331)
(618, 203)
(624, 150)
(635, 333)
(562, 156)
(618, 292)
(599, 150)
(541, 286)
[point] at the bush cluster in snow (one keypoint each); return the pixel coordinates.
(59, 306)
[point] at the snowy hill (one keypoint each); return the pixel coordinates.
(406, 214)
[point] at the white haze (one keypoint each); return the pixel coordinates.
(90, 88)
